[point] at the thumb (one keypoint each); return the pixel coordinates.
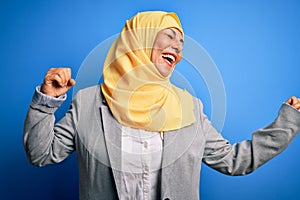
(289, 101)
(71, 82)
(293, 100)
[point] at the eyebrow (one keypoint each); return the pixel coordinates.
(176, 35)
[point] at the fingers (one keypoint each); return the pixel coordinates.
(294, 101)
(297, 106)
(58, 77)
(57, 81)
(61, 78)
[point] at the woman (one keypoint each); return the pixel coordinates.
(137, 136)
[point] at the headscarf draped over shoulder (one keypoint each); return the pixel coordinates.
(137, 94)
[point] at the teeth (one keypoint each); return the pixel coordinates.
(169, 56)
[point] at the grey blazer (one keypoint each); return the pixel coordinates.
(90, 129)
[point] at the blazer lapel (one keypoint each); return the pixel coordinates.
(113, 134)
(167, 161)
(176, 145)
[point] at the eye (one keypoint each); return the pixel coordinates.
(170, 36)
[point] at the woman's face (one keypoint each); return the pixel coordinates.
(167, 50)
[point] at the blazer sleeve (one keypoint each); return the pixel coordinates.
(246, 156)
(44, 141)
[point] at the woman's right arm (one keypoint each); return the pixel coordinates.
(44, 141)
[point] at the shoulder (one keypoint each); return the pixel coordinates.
(186, 96)
(89, 90)
(89, 94)
(198, 103)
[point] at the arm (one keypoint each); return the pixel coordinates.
(246, 156)
(44, 142)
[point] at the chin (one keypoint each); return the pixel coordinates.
(164, 70)
(165, 74)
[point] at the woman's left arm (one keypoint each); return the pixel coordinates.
(246, 156)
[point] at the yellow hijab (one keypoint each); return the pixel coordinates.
(137, 94)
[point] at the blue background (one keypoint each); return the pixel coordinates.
(255, 45)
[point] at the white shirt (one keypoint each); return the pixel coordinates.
(141, 164)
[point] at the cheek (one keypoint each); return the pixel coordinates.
(160, 42)
(178, 59)
(155, 55)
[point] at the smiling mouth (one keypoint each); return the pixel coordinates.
(169, 58)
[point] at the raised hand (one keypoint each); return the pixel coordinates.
(57, 82)
(294, 101)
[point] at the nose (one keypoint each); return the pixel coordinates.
(177, 46)
(176, 49)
